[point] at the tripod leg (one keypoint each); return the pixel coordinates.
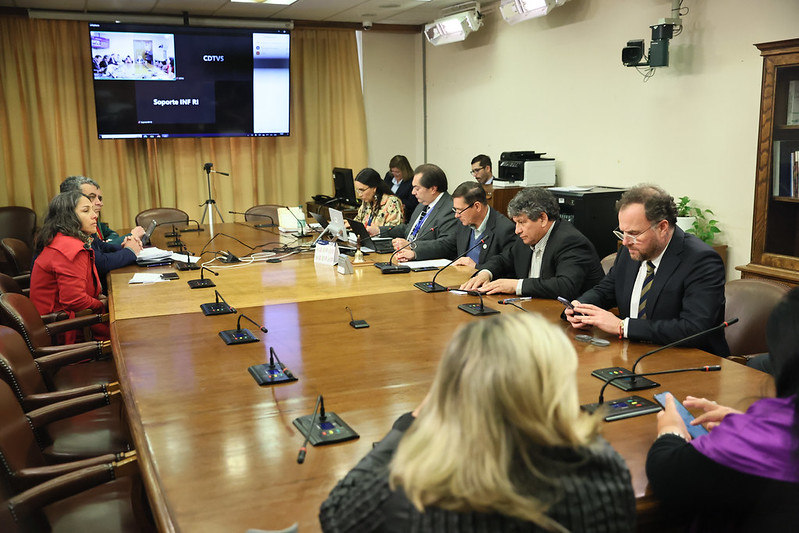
(222, 220)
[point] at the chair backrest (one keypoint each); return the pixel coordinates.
(751, 301)
(261, 213)
(19, 253)
(18, 222)
(17, 368)
(607, 262)
(18, 446)
(162, 215)
(9, 284)
(18, 312)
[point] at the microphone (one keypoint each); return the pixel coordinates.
(474, 309)
(217, 308)
(197, 229)
(177, 243)
(187, 265)
(631, 406)
(300, 225)
(173, 233)
(265, 225)
(609, 374)
(329, 429)
(514, 304)
(241, 335)
(182, 221)
(203, 281)
(390, 268)
(432, 286)
(271, 373)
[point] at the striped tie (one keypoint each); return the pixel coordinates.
(650, 276)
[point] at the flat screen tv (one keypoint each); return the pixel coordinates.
(184, 81)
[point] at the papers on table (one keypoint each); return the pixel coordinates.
(183, 257)
(153, 255)
(145, 277)
(427, 265)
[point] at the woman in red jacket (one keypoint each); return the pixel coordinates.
(64, 277)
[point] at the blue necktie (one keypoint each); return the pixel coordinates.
(419, 223)
(474, 255)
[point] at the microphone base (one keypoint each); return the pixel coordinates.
(477, 309)
(627, 407)
(267, 225)
(180, 265)
(267, 374)
(215, 308)
(238, 336)
(429, 286)
(328, 431)
(174, 244)
(186, 230)
(387, 268)
(631, 384)
(172, 234)
(201, 283)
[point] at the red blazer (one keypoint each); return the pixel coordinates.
(64, 279)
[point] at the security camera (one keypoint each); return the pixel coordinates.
(367, 25)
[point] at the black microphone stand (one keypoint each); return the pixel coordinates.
(432, 286)
(477, 309)
(241, 335)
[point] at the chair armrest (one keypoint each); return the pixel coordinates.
(90, 350)
(54, 317)
(23, 280)
(53, 361)
(79, 322)
(30, 477)
(39, 418)
(35, 401)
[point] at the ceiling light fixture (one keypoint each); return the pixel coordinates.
(273, 2)
(457, 23)
(514, 11)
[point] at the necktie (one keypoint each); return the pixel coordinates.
(650, 276)
(474, 255)
(418, 224)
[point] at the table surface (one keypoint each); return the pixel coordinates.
(218, 452)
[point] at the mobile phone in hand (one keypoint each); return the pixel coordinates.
(687, 417)
(565, 302)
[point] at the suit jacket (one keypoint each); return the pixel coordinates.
(569, 266)
(404, 193)
(498, 235)
(686, 297)
(108, 257)
(441, 220)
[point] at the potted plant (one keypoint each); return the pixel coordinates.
(692, 219)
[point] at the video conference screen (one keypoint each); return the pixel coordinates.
(183, 81)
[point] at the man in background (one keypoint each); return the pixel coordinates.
(483, 173)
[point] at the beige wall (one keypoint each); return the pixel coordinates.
(557, 85)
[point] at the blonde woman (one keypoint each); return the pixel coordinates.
(499, 444)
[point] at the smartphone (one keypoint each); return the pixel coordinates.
(170, 275)
(565, 302)
(687, 417)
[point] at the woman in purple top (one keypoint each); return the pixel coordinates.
(744, 474)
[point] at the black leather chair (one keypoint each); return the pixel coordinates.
(162, 215)
(751, 301)
(19, 254)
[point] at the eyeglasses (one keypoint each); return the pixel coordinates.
(476, 170)
(460, 211)
(633, 237)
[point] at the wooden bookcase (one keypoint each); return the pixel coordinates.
(775, 227)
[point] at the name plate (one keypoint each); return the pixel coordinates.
(326, 253)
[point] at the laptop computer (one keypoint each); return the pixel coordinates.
(381, 246)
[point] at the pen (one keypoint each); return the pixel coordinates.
(522, 299)
(158, 264)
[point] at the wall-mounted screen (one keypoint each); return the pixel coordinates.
(184, 81)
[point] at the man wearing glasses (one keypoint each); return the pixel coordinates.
(666, 284)
(432, 218)
(481, 170)
(478, 223)
(551, 258)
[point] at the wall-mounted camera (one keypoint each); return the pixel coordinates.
(633, 54)
(367, 25)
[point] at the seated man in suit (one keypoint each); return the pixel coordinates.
(550, 259)
(666, 284)
(478, 221)
(432, 218)
(483, 173)
(107, 255)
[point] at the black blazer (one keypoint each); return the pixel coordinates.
(439, 223)
(686, 297)
(108, 257)
(569, 266)
(404, 193)
(498, 235)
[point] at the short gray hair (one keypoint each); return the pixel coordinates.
(533, 201)
(73, 183)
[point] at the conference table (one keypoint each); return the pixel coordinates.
(218, 452)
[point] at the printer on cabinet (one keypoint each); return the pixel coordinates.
(525, 169)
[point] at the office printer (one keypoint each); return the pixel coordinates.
(525, 169)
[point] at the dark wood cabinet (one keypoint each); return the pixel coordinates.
(775, 225)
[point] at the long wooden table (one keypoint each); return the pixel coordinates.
(218, 452)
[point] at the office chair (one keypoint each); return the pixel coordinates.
(11, 284)
(19, 254)
(607, 262)
(260, 214)
(751, 300)
(19, 223)
(162, 215)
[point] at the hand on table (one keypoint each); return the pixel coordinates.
(500, 286)
(405, 255)
(465, 261)
(133, 244)
(475, 282)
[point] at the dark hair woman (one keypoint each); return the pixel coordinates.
(379, 207)
(64, 277)
(399, 178)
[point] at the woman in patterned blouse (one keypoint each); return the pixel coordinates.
(379, 207)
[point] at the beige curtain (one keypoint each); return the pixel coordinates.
(48, 131)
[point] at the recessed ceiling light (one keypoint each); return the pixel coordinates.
(275, 2)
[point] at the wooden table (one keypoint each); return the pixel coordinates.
(218, 452)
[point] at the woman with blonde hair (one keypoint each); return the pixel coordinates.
(499, 444)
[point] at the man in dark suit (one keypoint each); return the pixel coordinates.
(432, 218)
(483, 172)
(550, 259)
(478, 222)
(666, 284)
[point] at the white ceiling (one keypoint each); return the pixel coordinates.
(412, 12)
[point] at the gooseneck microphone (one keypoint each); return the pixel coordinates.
(263, 215)
(706, 368)
(203, 282)
(390, 268)
(432, 286)
(475, 309)
(241, 335)
(636, 383)
(217, 308)
(300, 225)
(307, 432)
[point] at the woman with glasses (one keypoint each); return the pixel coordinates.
(379, 207)
(399, 179)
(499, 444)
